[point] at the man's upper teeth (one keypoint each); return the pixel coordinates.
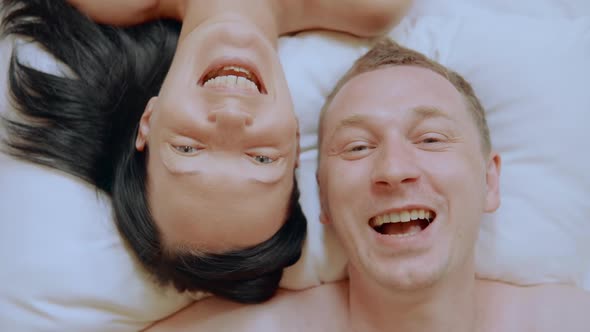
(402, 216)
(231, 81)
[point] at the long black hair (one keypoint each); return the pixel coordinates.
(84, 122)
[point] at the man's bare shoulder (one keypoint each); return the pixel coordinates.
(287, 311)
(560, 307)
(549, 307)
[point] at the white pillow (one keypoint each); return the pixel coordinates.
(64, 266)
(313, 63)
(546, 9)
(531, 75)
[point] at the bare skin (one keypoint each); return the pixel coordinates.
(361, 18)
(432, 288)
(222, 150)
(500, 307)
(388, 127)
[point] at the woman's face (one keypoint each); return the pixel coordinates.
(223, 141)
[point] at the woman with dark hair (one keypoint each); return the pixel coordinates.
(194, 138)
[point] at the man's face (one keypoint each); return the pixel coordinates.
(402, 176)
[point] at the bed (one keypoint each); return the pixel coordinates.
(64, 267)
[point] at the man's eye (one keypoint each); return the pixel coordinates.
(263, 159)
(431, 140)
(185, 149)
(358, 148)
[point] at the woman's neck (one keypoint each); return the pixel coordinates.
(265, 14)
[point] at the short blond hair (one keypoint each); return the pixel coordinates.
(387, 53)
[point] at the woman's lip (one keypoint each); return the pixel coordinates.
(237, 62)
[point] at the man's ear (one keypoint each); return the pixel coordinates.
(144, 125)
(493, 182)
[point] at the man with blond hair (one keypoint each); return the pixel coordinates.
(406, 172)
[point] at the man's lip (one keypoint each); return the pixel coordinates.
(403, 208)
(238, 62)
(417, 242)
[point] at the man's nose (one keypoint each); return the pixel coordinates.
(230, 118)
(395, 165)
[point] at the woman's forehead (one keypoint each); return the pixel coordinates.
(219, 214)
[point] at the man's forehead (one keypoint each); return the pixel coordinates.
(406, 86)
(420, 112)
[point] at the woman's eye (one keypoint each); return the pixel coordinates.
(263, 159)
(185, 149)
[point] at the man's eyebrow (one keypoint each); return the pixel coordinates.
(354, 120)
(422, 113)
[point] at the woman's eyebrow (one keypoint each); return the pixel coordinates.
(178, 172)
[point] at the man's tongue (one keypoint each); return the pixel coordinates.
(402, 228)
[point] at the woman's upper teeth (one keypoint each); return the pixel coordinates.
(401, 216)
(232, 77)
(231, 81)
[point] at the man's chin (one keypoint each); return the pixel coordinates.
(409, 279)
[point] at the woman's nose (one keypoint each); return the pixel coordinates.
(230, 118)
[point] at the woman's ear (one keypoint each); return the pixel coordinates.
(144, 125)
(324, 219)
(298, 156)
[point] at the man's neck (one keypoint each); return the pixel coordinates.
(268, 16)
(448, 305)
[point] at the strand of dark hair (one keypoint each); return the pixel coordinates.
(84, 123)
(75, 121)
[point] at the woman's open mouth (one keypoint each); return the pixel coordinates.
(403, 223)
(233, 76)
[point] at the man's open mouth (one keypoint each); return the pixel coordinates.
(233, 76)
(403, 223)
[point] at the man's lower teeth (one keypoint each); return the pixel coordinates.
(413, 231)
